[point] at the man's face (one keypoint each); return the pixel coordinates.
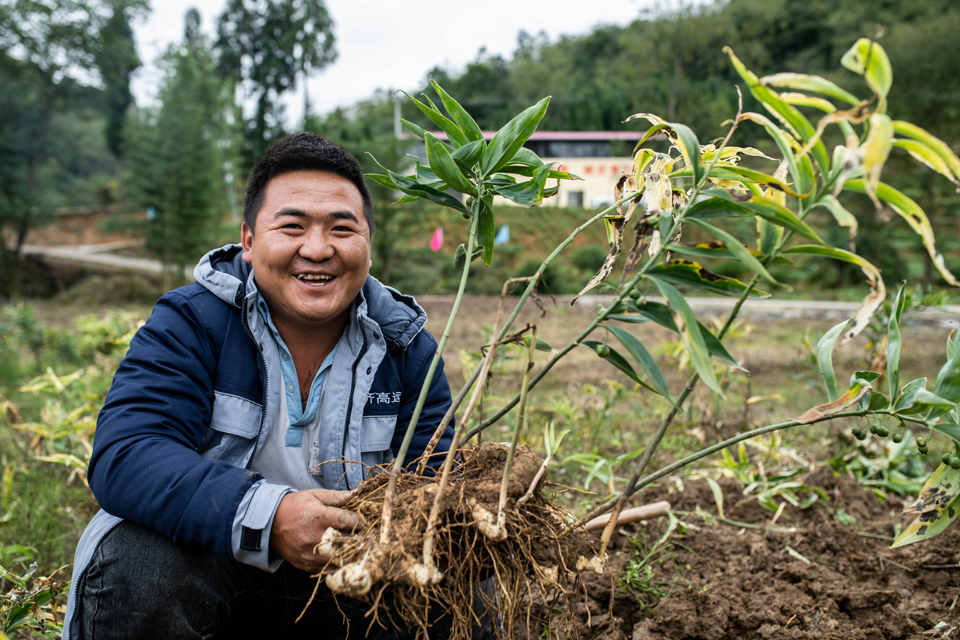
(310, 249)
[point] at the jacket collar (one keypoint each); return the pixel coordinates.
(224, 273)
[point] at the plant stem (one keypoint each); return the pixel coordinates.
(518, 427)
(654, 259)
(424, 390)
(703, 453)
(461, 396)
(665, 424)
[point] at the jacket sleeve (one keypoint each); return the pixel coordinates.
(438, 401)
(145, 467)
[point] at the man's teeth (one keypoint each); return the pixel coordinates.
(314, 278)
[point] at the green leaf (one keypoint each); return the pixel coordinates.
(893, 344)
(542, 345)
(915, 217)
(692, 274)
(767, 209)
(526, 158)
(460, 256)
(920, 400)
(469, 154)
(804, 179)
(463, 119)
(689, 329)
(950, 430)
(825, 358)
(486, 230)
(415, 128)
(661, 314)
(617, 360)
(813, 84)
(414, 188)
(951, 346)
(456, 136)
(718, 250)
(843, 217)
(530, 192)
(738, 250)
(693, 148)
(868, 58)
(747, 176)
(442, 163)
(652, 131)
(948, 382)
(511, 137)
(878, 290)
(786, 113)
(639, 353)
(937, 505)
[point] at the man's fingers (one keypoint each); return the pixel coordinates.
(339, 518)
(333, 498)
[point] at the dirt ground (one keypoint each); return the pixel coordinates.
(735, 583)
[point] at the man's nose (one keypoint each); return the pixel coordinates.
(316, 246)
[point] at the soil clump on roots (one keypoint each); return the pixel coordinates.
(725, 582)
(530, 552)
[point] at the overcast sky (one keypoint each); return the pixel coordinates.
(391, 44)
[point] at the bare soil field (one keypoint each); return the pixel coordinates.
(738, 583)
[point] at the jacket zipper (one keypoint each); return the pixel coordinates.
(263, 364)
(353, 387)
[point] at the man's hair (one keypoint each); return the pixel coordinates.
(302, 152)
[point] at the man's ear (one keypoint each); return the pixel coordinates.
(246, 239)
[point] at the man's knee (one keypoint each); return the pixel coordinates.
(140, 581)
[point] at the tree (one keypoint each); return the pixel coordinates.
(266, 45)
(117, 59)
(174, 157)
(45, 48)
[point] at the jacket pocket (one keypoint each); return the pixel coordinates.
(234, 425)
(376, 434)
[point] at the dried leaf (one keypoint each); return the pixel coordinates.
(615, 227)
(857, 391)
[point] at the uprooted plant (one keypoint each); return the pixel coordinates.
(434, 534)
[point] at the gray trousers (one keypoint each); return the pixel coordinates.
(140, 584)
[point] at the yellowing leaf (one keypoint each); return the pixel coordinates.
(813, 84)
(926, 156)
(914, 215)
(909, 130)
(803, 100)
(876, 149)
(868, 58)
(857, 391)
(938, 506)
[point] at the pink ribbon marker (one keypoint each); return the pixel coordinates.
(436, 243)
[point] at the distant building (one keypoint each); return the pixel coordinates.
(599, 157)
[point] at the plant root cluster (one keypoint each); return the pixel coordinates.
(522, 551)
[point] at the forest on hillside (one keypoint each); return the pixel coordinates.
(72, 136)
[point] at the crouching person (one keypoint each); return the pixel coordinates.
(247, 407)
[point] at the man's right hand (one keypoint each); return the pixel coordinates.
(301, 519)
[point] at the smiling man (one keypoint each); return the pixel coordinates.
(247, 407)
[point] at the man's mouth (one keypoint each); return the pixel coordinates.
(315, 278)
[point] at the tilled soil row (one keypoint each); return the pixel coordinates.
(734, 583)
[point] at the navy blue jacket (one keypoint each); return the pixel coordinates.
(191, 404)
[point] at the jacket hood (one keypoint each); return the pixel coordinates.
(224, 273)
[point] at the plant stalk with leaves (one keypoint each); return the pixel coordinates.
(691, 186)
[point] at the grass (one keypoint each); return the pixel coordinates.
(608, 415)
